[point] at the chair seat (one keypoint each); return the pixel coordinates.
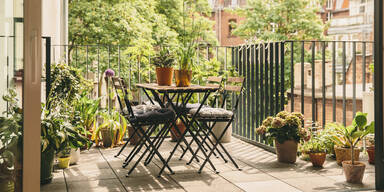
(141, 109)
(155, 116)
(209, 112)
(187, 107)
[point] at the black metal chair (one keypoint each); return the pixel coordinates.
(207, 118)
(139, 117)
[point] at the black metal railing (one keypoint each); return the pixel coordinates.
(323, 80)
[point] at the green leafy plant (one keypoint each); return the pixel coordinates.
(10, 137)
(84, 114)
(316, 145)
(354, 133)
(114, 123)
(285, 126)
(164, 58)
(67, 84)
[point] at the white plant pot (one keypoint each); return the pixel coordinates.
(218, 130)
(369, 105)
(75, 156)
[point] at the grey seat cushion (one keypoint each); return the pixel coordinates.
(209, 112)
(155, 116)
(141, 109)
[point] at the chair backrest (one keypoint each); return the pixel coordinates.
(234, 85)
(119, 84)
(215, 82)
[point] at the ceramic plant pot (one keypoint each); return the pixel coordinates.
(46, 167)
(107, 138)
(344, 154)
(64, 162)
(371, 154)
(287, 151)
(175, 135)
(183, 78)
(317, 159)
(164, 75)
(75, 156)
(135, 138)
(218, 129)
(353, 173)
(7, 186)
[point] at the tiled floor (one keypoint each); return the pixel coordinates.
(99, 170)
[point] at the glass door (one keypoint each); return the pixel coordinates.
(11, 67)
(19, 73)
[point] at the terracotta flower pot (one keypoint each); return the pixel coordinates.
(287, 151)
(183, 78)
(175, 136)
(135, 138)
(371, 154)
(317, 159)
(344, 154)
(164, 75)
(354, 173)
(107, 137)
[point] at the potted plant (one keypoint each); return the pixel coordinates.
(190, 36)
(175, 135)
(11, 145)
(354, 170)
(286, 130)
(317, 151)
(371, 149)
(111, 130)
(64, 158)
(342, 147)
(164, 61)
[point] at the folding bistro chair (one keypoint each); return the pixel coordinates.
(207, 118)
(140, 116)
(214, 82)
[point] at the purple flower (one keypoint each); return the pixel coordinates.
(109, 73)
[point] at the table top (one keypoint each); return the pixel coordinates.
(174, 89)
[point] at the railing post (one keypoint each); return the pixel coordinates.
(47, 67)
(282, 49)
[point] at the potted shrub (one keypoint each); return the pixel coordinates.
(111, 130)
(317, 151)
(286, 130)
(164, 61)
(354, 170)
(371, 149)
(64, 158)
(342, 147)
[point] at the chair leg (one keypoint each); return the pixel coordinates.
(155, 151)
(137, 148)
(204, 141)
(215, 146)
(159, 141)
(126, 143)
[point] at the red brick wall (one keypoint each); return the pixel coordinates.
(222, 31)
(328, 109)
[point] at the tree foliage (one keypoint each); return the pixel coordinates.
(281, 20)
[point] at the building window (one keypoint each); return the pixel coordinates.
(329, 4)
(231, 26)
(234, 3)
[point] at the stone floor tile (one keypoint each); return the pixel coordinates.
(213, 188)
(57, 187)
(321, 183)
(203, 179)
(267, 186)
(77, 174)
(239, 176)
(107, 185)
(148, 182)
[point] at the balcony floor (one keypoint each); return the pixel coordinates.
(99, 170)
